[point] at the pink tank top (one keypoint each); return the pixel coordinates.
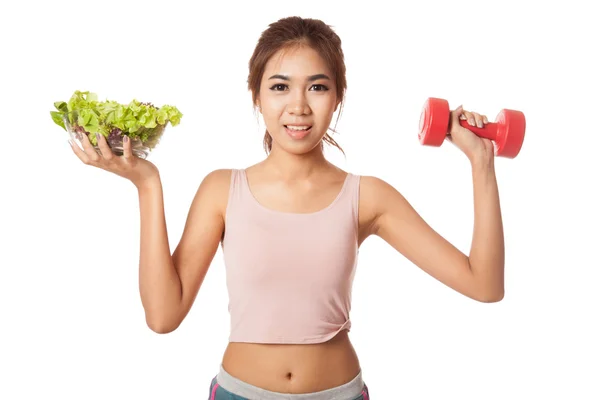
(289, 275)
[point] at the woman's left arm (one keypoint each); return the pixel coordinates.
(480, 275)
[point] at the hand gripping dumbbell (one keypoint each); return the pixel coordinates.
(507, 132)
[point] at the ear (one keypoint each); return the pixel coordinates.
(259, 106)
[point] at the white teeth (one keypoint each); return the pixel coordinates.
(298, 128)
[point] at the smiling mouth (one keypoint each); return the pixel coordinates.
(298, 128)
(298, 134)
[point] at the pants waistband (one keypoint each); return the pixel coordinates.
(236, 386)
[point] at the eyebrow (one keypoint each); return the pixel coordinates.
(310, 78)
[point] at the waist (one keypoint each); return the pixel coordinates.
(293, 368)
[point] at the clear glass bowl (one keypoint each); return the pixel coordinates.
(115, 138)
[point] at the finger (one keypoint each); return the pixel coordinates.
(470, 118)
(104, 147)
(460, 112)
(79, 153)
(457, 114)
(478, 120)
(127, 152)
(485, 120)
(89, 149)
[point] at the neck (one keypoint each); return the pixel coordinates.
(296, 166)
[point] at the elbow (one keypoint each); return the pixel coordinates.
(162, 330)
(491, 296)
(161, 326)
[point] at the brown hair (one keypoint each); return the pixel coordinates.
(293, 32)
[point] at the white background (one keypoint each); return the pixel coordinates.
(71, 323)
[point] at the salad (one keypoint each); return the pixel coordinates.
(141, 122)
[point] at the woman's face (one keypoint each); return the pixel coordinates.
(297, 92)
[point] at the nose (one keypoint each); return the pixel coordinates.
(298, 104)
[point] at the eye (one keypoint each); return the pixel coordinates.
(323, 88)
(277, 87)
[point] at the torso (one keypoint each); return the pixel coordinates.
(301, 368)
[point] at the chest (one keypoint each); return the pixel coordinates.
(317, 249)
(300, 198)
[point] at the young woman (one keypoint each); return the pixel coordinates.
(290, 227)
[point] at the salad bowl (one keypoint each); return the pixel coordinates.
(143, 123)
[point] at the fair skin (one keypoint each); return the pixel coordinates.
(296, 177)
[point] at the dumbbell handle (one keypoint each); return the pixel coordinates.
(489, 130)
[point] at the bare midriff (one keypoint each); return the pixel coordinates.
(293, 368)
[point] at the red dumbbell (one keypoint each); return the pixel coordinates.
(507, 132)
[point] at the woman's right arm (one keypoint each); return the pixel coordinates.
(169, 283)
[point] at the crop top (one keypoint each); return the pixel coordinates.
(289, 276)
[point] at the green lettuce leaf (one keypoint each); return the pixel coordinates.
(136, 119)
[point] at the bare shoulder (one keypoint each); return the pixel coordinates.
(207, 211)
(374, 186)
(217, 178)
(375, 193)
(214, 189)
